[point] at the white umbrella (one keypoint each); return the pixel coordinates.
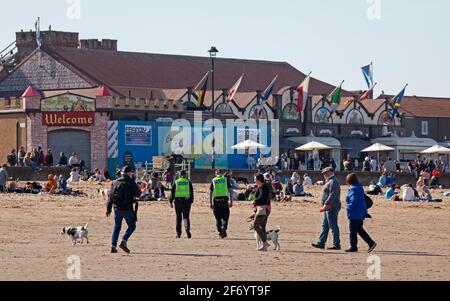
(248, 144)
(377, 147)
(437, 149)
(313, 146)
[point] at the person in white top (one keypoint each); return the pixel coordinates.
(407, 193)
(73, 160)
(373, 164)
(307, 180)
(74, 176)
(295, 178)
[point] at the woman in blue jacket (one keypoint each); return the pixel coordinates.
(356, 213)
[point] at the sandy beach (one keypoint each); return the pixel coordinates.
(413, 242)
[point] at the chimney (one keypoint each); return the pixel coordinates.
(105, 44)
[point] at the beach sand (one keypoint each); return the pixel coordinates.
(413, 242)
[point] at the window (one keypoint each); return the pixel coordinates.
(323, 115)
(290, 112)
(425, 128)
(355, 117)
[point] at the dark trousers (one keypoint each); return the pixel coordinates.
(182, 211)
(356, 227)
(130, 218)
(222, 214)
(260, 226)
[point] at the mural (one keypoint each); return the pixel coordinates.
(68, 103)
(355, 117)
(385, 119)
(290, 112)
(323, 116)
(258, 112)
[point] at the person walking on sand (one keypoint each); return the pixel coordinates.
(357, 213)
(331, 202)
(182, 196)
(262, 210)
(123, 195)
(220, 202)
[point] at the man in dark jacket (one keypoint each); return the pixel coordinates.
(122, 197)
(49, 158)
(183, 197)
(62, 160)
(262, 205)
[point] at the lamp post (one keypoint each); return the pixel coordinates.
(213, 53)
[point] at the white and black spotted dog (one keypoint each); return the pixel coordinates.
(76, 234)
(272, 235)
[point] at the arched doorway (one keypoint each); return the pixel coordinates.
(69, 141)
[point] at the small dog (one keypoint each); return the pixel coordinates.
(272, 235)
(76, 233)
(103, 192)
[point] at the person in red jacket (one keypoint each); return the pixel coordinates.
(434, 181)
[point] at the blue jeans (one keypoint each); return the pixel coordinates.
(330, 221)
(130, 219)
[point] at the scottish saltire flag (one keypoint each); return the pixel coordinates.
(396, 102)
(368, 74)
(268, 92)
(37, 26)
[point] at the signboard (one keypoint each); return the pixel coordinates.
(68, 118)
(68, 103)
(138, 135)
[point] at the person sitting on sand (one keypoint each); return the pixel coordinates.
(374, 189)
(159, 192)
(391, 192)
(145, 192)
(307, 180)
(62, 183)
(407, 194)
(295, 178)
(382, 180)
(52, 185)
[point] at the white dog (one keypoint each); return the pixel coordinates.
(272, 235)
(103, 192)
(75, 234)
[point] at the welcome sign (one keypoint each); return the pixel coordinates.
(68, 118)
(138, 135)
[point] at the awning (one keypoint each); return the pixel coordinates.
(357, 144)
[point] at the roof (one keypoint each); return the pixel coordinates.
(372, 105)
(31, 91)
(90, 93)
(419, 106)
(406, 142)
(147, 70)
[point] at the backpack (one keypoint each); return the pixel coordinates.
(122, 196)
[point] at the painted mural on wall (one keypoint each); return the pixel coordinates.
(68, 103)
(355, 117)
(385, 119)
(258, 112)
(322, 116)
(290, 112)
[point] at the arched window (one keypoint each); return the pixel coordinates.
(355, 117)
(322, 116)
(385, 119)
(224, 108)
(258, 112)
(290, 112)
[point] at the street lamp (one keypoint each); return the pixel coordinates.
(213, 54)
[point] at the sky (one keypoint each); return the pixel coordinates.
(407, 40)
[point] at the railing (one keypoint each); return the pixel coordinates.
(7, 54)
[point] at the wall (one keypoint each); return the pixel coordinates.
(26, 174)
(9, 136)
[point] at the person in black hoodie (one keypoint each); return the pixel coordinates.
(262, 208)
(123, 193)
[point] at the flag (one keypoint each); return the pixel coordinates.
(234, 90)
(268, 92)
(368, 74)
(37, 26)
(303, 90)
(201, 94)
(396, 102)
(368, 94)
(335, 98)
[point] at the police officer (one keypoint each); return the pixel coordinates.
(122, 196)
(221, 202)
(183, 195)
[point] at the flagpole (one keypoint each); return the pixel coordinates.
(204, 77)
(340, 86)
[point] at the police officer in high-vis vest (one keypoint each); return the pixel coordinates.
(183, 195)
(221, 202)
